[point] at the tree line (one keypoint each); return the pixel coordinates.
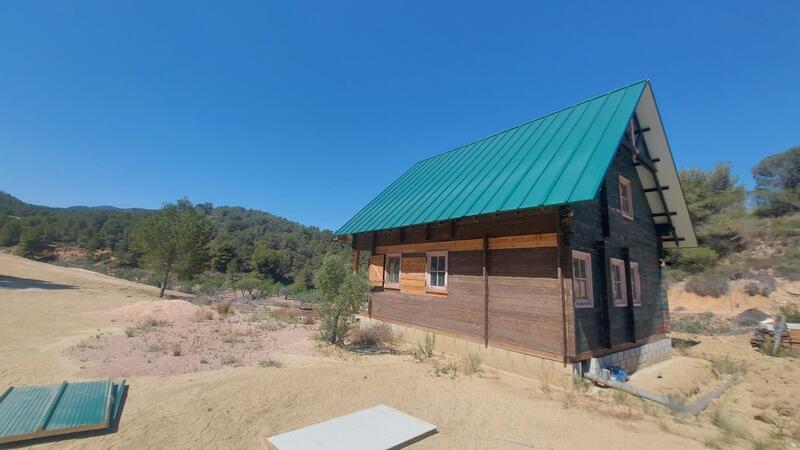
(731, 223)
(201, 243)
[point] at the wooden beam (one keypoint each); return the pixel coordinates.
(485, 259)
(656, 189)
(605, 310)
(356, 260)
(604, 212)
(496, 243)
(630, 315)
(673, 239)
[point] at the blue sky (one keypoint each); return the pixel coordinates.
(308, 110)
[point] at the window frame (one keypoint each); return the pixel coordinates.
(636, 284)
(587, 302)
(386, 283)
(629, 203)
(428, 259)
(623, 300)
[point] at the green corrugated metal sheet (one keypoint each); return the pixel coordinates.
(39, 411)
(557, 159)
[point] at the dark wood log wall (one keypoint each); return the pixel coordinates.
(640, 237)
(524, 292)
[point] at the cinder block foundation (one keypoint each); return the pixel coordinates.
(635, 358)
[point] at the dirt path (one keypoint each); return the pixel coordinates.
(44, 310)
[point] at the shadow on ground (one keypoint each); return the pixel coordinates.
(9, 282)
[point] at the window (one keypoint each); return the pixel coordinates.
(392, 271)
(618, 292)
(625, 197)
(582, 279)
(636, 285)
(436, 276)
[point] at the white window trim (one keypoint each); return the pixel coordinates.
(626, 182)
(589, 301)
(386, 283)
(637, 286)
(623, 286)
(428, 271)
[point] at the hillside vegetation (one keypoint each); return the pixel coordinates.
(752, 235)
(253, 248)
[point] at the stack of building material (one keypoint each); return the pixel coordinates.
(32, 412)
(765, 335)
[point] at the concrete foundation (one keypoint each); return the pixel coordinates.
(554, 372)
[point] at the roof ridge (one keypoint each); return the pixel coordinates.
(645, 80)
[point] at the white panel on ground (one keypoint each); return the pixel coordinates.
(376, 428)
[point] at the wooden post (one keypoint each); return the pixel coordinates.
(605, 314)
(356, 260)
(629, 311)
(561, 245)
(777, 334)
(486, 290)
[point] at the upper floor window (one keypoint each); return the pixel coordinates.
(618, 291)
(582, 279)
(392, 270)
(636, 285)
(436, 275)
(625, 197)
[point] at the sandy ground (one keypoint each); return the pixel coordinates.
(47, 312)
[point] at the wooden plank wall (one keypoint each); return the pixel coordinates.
(640, 237)
(524, 290)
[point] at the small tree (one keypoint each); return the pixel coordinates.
(342, 294)
(174, 241)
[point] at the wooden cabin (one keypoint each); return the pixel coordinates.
(545, 239)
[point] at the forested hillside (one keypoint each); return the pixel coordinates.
(245, 243)
(742, 235)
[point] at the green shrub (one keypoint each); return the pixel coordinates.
(764, 285)
(425, 351)
(694, 260)
(786, 227)
(708, 284)
(792, 312)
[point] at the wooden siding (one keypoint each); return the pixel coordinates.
(460, 245)
(460, 312)
(376, 270)
(639, 236)
(524, 294)
(412, 274)
(525, 299)
(495, 225)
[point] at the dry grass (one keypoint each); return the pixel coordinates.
(225, 308)
(472, 364)
(229, 360)
(202, 315)
(270, 362)
(145, 326)
(372, 336)
(284, 314)
(177, 349)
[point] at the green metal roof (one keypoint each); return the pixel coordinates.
(553, 160)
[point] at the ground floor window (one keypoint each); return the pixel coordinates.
(636, 285)
(392, 271)
(436, 275)
(618, 293)
(582, 279)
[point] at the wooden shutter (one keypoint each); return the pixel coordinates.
(376, 270)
